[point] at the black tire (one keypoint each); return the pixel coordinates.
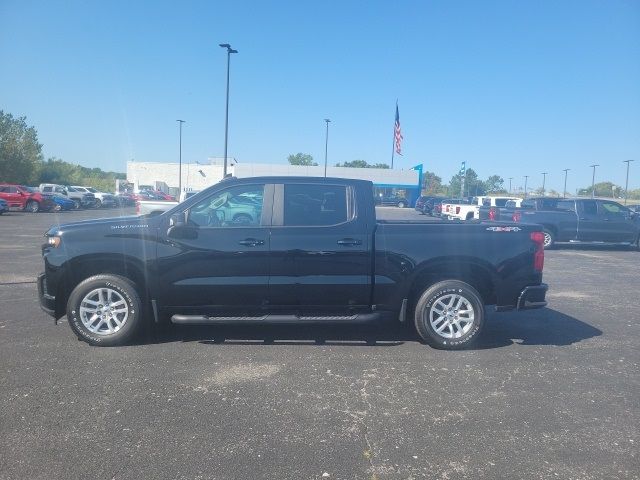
(459, 338)
(401, 204)
(126, 296)
(549, 239)
(98, 203)
(32, 206)
(57, 207)
(76, 204)
(469, 216)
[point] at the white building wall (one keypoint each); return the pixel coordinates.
(197, 176)
(379, 176)
(194, 176)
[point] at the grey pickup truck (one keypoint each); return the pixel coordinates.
(573, 220)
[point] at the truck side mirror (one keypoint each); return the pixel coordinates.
(177, 219)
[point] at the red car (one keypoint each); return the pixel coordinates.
(161, 195)
(153, 195)
(19, 196)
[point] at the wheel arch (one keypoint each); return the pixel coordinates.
(471, 272)
(86, 266)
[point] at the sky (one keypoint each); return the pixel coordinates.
(512, 88)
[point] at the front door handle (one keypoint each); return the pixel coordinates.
(349, 242)
(251, 242)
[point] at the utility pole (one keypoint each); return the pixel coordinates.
(226, 121)
(564, 192)
(544, 182)
(510, 178)
(626, 185)
(593, 180)
(526, 177)
(180, 122)
(326, 146)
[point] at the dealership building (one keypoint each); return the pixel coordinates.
(200, 175)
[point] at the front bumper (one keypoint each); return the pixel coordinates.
(532, 297)
(47, 302)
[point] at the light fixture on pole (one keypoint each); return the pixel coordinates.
(226, 121)
(564, 192)
(626, 185)
(180, 122)
(593, 180)
(510, 178)
(326, 145)
(526, 177)
(544, 182)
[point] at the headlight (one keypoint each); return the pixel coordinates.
(53, 241)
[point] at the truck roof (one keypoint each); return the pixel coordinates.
(297, 179)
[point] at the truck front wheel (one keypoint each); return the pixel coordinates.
(449, 315)
(105, 310)
(32, 206)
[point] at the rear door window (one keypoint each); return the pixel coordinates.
(315, 205)
(590, 207)
(567, 205)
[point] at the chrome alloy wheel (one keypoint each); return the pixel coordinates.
(451, 316)
(547, 239)
(103, 311)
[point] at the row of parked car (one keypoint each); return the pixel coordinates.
(49, 197)
(564, 220)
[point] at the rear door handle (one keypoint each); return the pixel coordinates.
(251, 242)
(349, 242)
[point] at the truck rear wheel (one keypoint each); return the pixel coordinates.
(549, 239)
(105, 310)
(449, 315)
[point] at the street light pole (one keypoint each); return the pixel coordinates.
(593, 180)
(510, 178)
(326, 146)
(180, 122)
(226, 121)
(564, 192)
(544, 182)
(526, 177)
(626, 185)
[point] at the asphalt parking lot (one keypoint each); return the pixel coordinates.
(551, 393)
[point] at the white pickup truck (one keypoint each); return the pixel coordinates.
(155, 207)
(471, 211)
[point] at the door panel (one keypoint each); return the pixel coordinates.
(589, 225)
(618, 226)
(320, 256)
(218, 262)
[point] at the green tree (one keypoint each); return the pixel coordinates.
(362, 164)
(20, 151)
(472, 185)
(494, 184)
(603, 189)
(354, 164)
(302, 159)
(432, 184)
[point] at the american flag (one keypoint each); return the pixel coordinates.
(398, 133)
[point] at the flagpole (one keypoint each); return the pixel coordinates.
(393, 138)
(393, 146)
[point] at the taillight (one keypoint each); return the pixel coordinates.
(457, 210)
(492, 214)
(538, 256)
(516, 216)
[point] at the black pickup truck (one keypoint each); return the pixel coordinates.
(574, 220)
(286, 249)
